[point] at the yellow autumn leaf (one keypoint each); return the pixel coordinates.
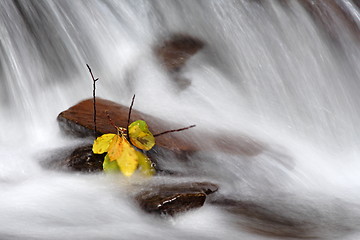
(140, 135)
(110, 167)
(115, 148)
(102, 143)
(145, 164)
(128, 158)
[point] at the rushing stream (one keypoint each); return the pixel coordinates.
(268, 71)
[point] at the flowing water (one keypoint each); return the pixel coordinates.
(267, 71)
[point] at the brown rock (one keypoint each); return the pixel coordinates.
(175, 51)
(173, 199)
(78, 120)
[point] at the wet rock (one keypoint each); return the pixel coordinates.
(81, 159)
(176, 50)
(78, 120)
(173, 199)
(84, 160)
(261, 219)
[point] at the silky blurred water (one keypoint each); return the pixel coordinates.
(267, 71)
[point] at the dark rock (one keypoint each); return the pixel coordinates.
(82, 159)
(170, 204)
(173, 199)
(176, 50)
(78, 120)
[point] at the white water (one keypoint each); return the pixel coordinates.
(267, 71)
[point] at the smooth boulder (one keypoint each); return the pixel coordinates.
(175, 198)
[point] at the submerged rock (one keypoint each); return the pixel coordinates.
(175, 51)
(264, 220)
(174, 199)
(81, 159)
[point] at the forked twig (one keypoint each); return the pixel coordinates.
(129, 115)
(94, 100)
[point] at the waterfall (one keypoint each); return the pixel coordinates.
(285, 73)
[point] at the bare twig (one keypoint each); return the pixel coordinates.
(94, 100)
(128, 122)
(175, 130)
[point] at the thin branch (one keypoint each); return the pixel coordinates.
(111, 121)
(175, 130)
(128, 122)
(94, 100)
